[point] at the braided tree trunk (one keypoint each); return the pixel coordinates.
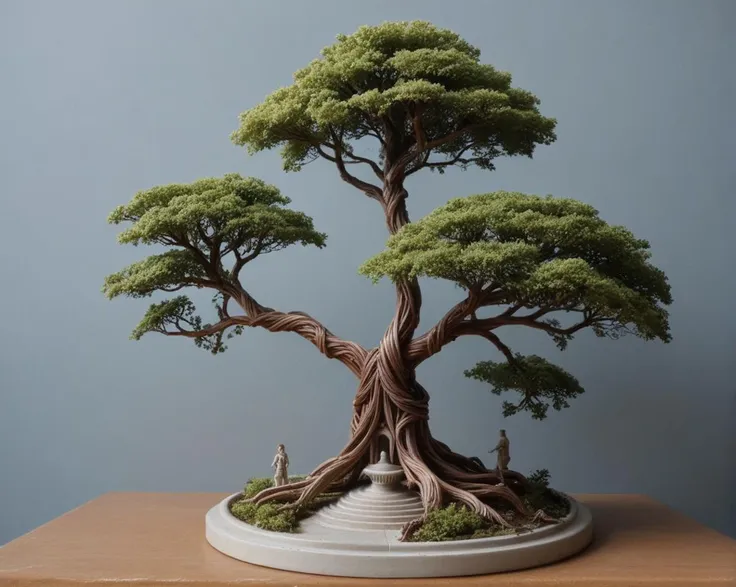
(390, 402)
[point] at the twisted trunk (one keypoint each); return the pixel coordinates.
(390, 403)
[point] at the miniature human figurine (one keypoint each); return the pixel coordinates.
(503, 456)
(281, 464)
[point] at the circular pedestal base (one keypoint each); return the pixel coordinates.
(323, 550)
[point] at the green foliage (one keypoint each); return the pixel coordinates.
(169, 312)
(229, 214)
(269, 516)
(164, 272)
(398, 75)
(540, 383)
(266, 516)
(449, 523)
(178, 314)
(254, 486)
(537, 489)
(539, 478)
(457, 522)
(539, 496)
(540, 252)
(205, 222)
(422, 93)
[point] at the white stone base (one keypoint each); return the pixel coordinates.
(323, 550)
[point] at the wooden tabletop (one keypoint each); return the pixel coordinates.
(155, 539)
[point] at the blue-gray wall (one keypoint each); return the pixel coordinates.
(100, 99)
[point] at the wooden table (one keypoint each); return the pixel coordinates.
(157, 539)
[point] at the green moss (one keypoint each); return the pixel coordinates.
(269, 516)
(449, 523)
(266, 516)
(254, 486)
(457, 522)
(454, 522)
(492, 531)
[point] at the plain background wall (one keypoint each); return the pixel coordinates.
(100, 99)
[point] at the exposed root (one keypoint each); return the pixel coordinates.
(389, 397)
(541, 517)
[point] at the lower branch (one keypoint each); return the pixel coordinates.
(349, 353)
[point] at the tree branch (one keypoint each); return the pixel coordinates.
(450, 137)
(241, 261)
(426, 164)
(349, 353)
(191, 283)
(373, 165)
(212, 329)
(419, 133)
(424, 147)
(498, 343)
(445, 331)
(456, 324)
(511, 310)
(371, 190)
(548, 328)
(372, 131)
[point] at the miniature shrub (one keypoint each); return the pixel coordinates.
(540, 497)
(539, 478)
(449, 523)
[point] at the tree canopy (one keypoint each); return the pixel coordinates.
(419, 94)
(414, 88)
(207, 223)
(534, 252)
(540, 383)
(543, 256)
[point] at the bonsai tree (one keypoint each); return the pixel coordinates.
(421, 97)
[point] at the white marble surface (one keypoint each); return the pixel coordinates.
(382, 505)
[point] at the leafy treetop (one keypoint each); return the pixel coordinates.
(422, 96)
(206, 222)
(416, 89)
